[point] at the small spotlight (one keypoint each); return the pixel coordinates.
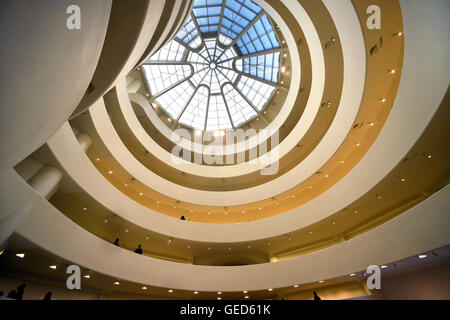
(422, 256)
(52, 267)
(87, 276)
(270, 289)
(110, 172)
(117, 283)
(195, 292)
(170, 291)
(144, 288)
(20, 255)
(352, 274)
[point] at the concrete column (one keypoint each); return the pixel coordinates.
(84, 140)
(28, 168)
(134, 86)
(46, 181)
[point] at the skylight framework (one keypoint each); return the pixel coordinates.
(221, 68)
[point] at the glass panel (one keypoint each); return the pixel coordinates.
(257, 92)
(195, 76)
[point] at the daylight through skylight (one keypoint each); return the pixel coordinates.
(221, 68)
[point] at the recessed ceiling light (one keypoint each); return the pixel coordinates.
(144, 288)
(249, 246)
(334, 222)
(209, 248)
(188, 246)
(246, 297)
(268, 243)
(358, 144)
(52, 267)
(209, 212)
(398, 34)
(87, 276)
(392, 71)
(352, 274)
(126, 184)
(195, 292)
(283, 69)
(422, 256)
(219, 298)
(245, 291)
(117, 283)
(270, 289)
(226, 213)
(85, 208)
(309, 187)
(341, 162)
(1, 252)
(326, 176)
(147, 95)
(259, 208)
(20, 255)
(296, 286)
(310, 232)
(371, 124)
(383, 100)
(243, 211)
(168, 119)
(198, 133)
(356, 211)
(140, 193)
(229, 248)
(321, 281)
(285, 55)
(126, 230)
(293, 196)
(110, 172)
(220, 292)
(383, 267)
(98, 159)
(402, 179)
(106, 220)
(170, 291)
(146, 238)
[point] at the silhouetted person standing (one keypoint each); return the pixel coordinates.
(48, 296)
(138, 250)
(116, 243)
(20, 291)
(316, 297)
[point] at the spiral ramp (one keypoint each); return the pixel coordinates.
(346, 162)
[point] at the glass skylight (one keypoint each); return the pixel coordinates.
(221, 68)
